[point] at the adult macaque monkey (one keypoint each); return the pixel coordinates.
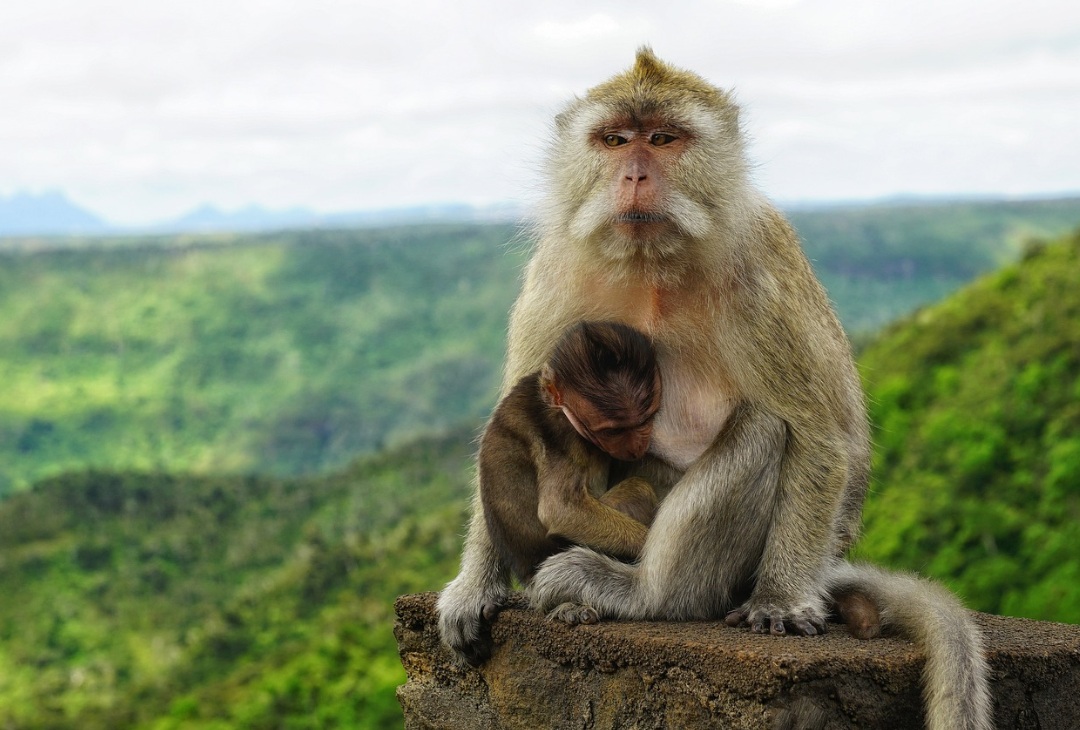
(651, 220)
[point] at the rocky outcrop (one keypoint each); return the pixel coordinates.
(705, 675)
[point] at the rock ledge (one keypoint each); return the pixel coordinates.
(705, 675)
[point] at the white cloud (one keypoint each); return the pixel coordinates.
(586, 30)
(142, 110)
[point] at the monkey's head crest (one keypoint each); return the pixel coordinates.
(651, 83)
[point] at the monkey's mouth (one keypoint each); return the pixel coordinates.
(638, 218)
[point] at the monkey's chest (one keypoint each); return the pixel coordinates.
(634, 304)
(694, 410)
(695, 401)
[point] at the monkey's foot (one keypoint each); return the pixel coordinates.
(574, 614)
(769, 618)
(585, 578)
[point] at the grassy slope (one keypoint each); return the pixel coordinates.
(976, 403)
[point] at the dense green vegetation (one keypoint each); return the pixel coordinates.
(294, 352)
(976, 403)
(171, 602)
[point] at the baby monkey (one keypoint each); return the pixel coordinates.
(546, 452)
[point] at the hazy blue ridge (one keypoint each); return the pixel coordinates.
(46, 213)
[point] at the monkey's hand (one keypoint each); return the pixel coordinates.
(465, 621)
(804, 619)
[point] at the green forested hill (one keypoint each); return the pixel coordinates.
(881, 261)
(132, 600)
(292, 353)
(976, 408)
(281, 354)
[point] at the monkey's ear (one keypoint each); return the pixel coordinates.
(549, 387)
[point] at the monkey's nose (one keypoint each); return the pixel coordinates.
(636, 172)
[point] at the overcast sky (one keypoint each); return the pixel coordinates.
(142, 110)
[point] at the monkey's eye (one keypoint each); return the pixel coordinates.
(660, 139)
(614, 140)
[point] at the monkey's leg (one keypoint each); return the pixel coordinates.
(633, 497)
(704, 545)
(469, 602)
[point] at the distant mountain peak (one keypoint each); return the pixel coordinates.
(48, 212)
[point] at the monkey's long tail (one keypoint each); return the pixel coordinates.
(956, 675)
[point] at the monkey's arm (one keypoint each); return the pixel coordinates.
(803, 374)
(568, 510)
(469, 602)
(537, 319)
(788, 594)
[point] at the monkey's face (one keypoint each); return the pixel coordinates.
(623, 433)
(633, 204)
(641, 163)
(640, 158)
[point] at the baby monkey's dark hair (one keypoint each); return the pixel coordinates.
(611, 364)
